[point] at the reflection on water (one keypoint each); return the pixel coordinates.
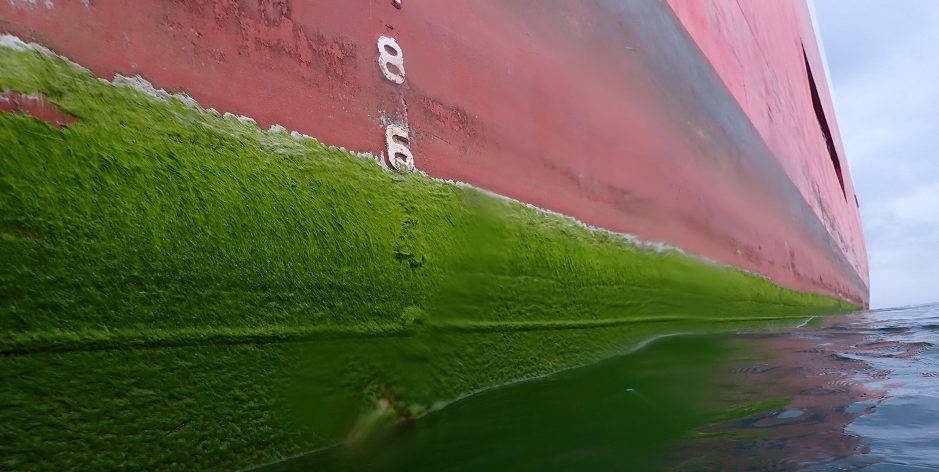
(857, 392)
(902, 431)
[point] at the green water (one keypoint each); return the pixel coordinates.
(850, 393)
(620, 414)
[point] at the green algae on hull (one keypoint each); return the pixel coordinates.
(161, 265)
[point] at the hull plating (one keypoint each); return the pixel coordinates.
(691, 124)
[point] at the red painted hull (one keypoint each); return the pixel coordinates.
(690, 123)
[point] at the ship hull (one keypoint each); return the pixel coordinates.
(496, 191)
(625, 115)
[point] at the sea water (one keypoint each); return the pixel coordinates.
(853, 392)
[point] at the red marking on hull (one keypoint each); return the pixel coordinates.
(35, 105)
(606, 111)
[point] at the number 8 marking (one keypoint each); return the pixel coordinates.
(391, 59)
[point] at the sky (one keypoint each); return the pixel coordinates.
(883, 57)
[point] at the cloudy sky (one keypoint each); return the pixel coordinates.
(883, 56)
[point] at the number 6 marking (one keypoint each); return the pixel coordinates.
(399, 156)
(391, 59)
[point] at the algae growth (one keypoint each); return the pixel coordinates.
(182, 290)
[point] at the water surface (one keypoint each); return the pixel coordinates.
(854, 392)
